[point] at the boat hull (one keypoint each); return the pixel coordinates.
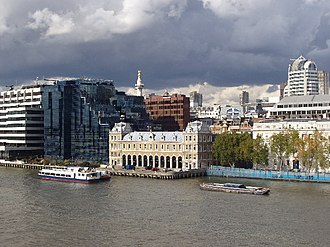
(247, 190)
(73, 180)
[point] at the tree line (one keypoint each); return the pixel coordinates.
(308, 151)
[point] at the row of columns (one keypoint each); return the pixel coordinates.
(153, 161)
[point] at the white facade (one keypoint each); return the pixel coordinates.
(302, 78)
(269, 127)
(190, 149)
(213, 112)
(21, 122)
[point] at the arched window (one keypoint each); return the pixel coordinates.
(151, 163)
(180, 162)
(168, 160)
(162, 162)
(174, 162)
(124, 160)
(139, 160)
(156, 161)
(145, 160)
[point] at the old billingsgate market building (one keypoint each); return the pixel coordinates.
(190, 149)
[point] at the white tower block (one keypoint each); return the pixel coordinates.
(139, 85)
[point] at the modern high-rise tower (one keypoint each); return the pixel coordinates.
(196, 99)
(323, 77)
(302, 78)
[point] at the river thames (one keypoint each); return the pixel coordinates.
(147, 212)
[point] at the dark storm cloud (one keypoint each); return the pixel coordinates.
(174, 42)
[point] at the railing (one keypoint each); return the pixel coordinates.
(268, 174)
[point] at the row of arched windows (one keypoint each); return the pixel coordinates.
(154, 161)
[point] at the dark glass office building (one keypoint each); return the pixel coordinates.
(77, 117)
(78, 114)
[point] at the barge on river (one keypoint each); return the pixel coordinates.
(73, 174)
(235, 188)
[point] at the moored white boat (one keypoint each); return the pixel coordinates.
(235, 188)
(73, 174)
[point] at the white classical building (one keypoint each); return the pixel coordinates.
(269, 127)
(190, 149)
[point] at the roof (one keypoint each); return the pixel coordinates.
(294, 120)
(305, 99)
(174, 136)
(302, 63)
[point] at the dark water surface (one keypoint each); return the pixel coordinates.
(147, 212)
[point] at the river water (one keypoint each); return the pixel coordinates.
(148, 212)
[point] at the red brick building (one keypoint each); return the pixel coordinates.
(171, 112)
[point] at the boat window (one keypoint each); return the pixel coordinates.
(68, 176)
(53, 174)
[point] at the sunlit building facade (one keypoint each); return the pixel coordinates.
(302, 78)
(189, 149)
(169, 112)
(21, 123)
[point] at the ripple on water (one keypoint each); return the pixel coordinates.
(147, 212)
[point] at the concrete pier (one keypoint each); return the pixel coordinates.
(18, 164)
(169, 175)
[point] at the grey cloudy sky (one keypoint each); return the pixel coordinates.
(174, 42)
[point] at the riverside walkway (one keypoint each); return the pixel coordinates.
(19, 164)
(269, 174)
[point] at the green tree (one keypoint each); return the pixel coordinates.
(312, 151)
(226, 149)
(292, 143)
(278, 147)
(246, 149)
(260, 152)
(283, 145)
(232, 149)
